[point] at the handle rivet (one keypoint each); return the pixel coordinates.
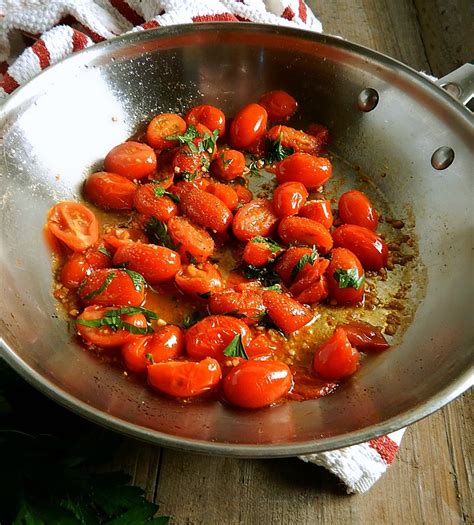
(442, 158)
(367, 100)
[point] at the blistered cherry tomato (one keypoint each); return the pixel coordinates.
(289, 315)
(319, 211)
(345, 265)
(248, 125)
(257, 384)
(133, 160)
(73, 224)
(285, 266)
(194, 242)
(258, 148)
(243, 194)
(279, 104)
(306, 232)
(210, 116)
(211, 336)
(228, 165)
(299, 141)
(288, 198)
(162, 126)
(116, 237)
(184, 378)
(225, 193)
(365, 336)
(259, 251)
(79, 265)
(263, 347)
(355, 208)
(370, 249)
(336, 358)
(202, 281)
(254, 218)
(190, 164)
(150, 201)
(311, 171)
(157, 264)
(110, 191)
(164, 174)
(321, 134)
(245, 302)
(311, 285)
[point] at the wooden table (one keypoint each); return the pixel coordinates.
(430, 479)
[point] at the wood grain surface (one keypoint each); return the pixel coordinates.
(430, 479)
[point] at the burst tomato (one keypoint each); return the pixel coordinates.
(246, 302)
(79, 265)
(336, 358)
(162, 126)
(298, 141)
(209, 116)
(343, 263)
(365, 336)
(279, 104)
(203, 280)
(259, 251)
(289, 315)
(225, 193)
(110, 191)
(319, 211)
(303, 231)
(288, 198)
(254, 218)
(228, 165)
(285, 266)
(150, 200)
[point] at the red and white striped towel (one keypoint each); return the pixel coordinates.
(61, 27)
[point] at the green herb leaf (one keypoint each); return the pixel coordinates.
(157, 233)
(191, 258)
(226, 162)
(103, 249)
(187, 138)
(161, 192)
(277, 152)
(131, 310)
(137, 280)
(349, 278)
(274, 288)
(266, 275)
(190, 320)
(149, 357)
(237, 314)
(253, 166)
(101, 288)
(188, 176)
(209, 142)
(274, 247)
(112, 319)
(205, 295)
(235, 348)
(306, 259)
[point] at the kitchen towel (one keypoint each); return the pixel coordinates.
(61, 27)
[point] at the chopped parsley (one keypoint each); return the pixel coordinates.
(310, 258)
(188, 176)
(137, 280)
(235, 348)
(209, 142)
(253, 166)
(349, 278)
(274, 247)
(187, 137)
(161, 192)
(101, 288)
(157, 233)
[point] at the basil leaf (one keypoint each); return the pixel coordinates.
(237, 314)
(101, 288)
(188, 176)
(103, 249)
(235, 348)
(266, 275)
(130, 310)
(149, 357)
(310, 258)
(190, 320)
(157, 233)
(187, 138)
(276, 151)
(137, 280)
(274, 247)
(209, 142)
(349, 278)
(161, 192)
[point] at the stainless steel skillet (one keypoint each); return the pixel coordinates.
(57, 128)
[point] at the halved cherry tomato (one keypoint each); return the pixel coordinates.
(193, 242)
(279, 104)
(244, 194)
(342, 259)
(210, 116)
(199, 280)
(112, 287)
(336, 358)
(254, 218)
(311, 286)
(133, 160)
(299, 141)
(259, 251)
(246, 302)
(321, 134)
(319, 211)
(288, 198)
(257, 384)
(73, 224)
(303, 231)
(370, 249)
(110, 191)
(263, 347)
(116, 237)
(211, 336)
(228, 165)
(311, 171)
(184, 378)
(157, 264)
(286, 263)
(151, 203)
(289, 315)
(248, 125)
(79, 265)
(189, 164)
(225, 193)
(355, 208)
(205, 209)
(162, 126)
(365, 336)
(105, 336)
(167, 343)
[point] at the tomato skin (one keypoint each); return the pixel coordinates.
(254, 218)
(146, 202)
(303, 231)
(194, 280)
(164, 174)
(116, 237)
(321, 134)
(311, 285)
(286, 263)
(184, 378)
(299, 141)
(162, 126)
(225, 193)
(205, 209)
(319, 211)
(258, 253)
(365, 336)
(247, 126)
(228, 165)
(345, 260)
(104, 337)
(73, 224)
(210, 116)
(243, 194)
(194, 242)
(258, 148)
(190, 164)
(311, 171)
(247, 301)
(132, 160)
(369, 248)
(355, 208)
(288, 198)
(79, 265)
(167, 343)
(287, 313)
(210, 336)
(157, 264)
(257, 384)
(110, 191)
(336, 358)
(279, 104)
(262, 347)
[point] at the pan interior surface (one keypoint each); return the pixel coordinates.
(57, 129)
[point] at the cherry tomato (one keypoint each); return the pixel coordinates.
(309, 386)
(167, 343)
(228, 165)
(311, 285)
(112, 287)
(184, 378)
(105, 336)
(257, 384)
(342, 259)
(286, 263)
(321, 134)
(336, 358)
(263, 347)
(116, 237)
(157, 264)
(254, 218)
(209, 116)
(319, 211)
(73, 224)
(303, 231)
(248, 125)
(194, 242)
(370, 249)
(133, 160)
(189, 164)
(311, 171)
(288, 198)
(289, 315)
(299, 141)
(205, 209)
(365, 336)
(149, 201)
(247, 303)
(279, 104)
(164, 174)
(211, 336)
(243, 194)
(258, 148)
(162, 126)
(110, 191)
(259, 251)
(79, 265)
(225, 193)
(355, 208)
(199, 280)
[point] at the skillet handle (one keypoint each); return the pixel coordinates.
(459, 83)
